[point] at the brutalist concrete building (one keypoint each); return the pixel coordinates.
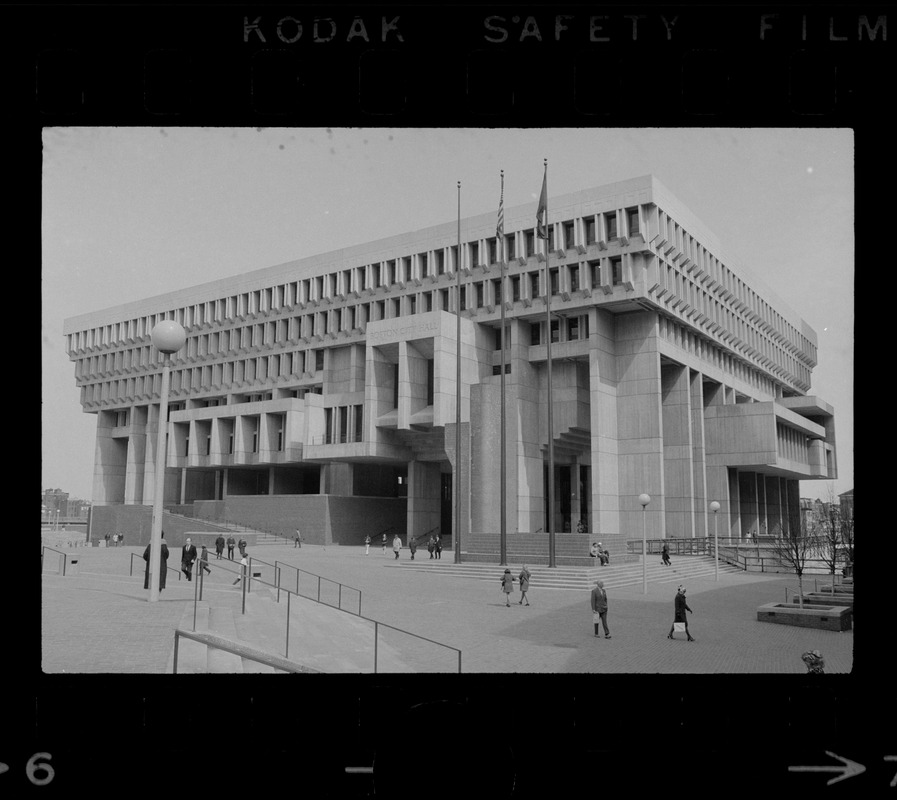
(322, 392)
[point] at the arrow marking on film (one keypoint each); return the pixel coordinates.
(848, 770)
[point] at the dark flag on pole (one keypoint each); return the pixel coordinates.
(542, 210)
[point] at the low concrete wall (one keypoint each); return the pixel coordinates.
(828, 618)
(136, 523)
(323, 519)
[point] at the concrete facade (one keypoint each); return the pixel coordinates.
(674, 373)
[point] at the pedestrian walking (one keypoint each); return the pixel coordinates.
(242, 545)
(431, 546)
(107, 540)
(524, 585)
(679, 619)
(412, 546)
(396, 545)
(438, 546)
(383, 541)
(814, 661)
(163, 564)
(219, 546)
(230, 547)
(367, 545)
(188, 556)
(298, 542)
(121, 539)
(665, 554)
(599, 609)
(244, 563)
(204, 561)
(507, 586)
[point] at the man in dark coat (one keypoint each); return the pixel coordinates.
(188, 556)
(599, 608)
(412, 546)
(242, 545)
(163, 565)
(230, 547)
(680, 608)
(219, 546)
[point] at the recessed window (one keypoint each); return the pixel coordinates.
(568, 234)
(611, 222)
(616, 270)
(509, 246)
(632, 218)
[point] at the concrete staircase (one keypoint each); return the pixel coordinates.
(614, 575)
(571, 549)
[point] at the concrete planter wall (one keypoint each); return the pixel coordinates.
(828, 618)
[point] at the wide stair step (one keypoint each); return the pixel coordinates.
(614, 575)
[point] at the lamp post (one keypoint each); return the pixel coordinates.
(714, 507)
(168, 337)
(644, 499)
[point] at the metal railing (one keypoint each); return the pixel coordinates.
(53, 550)
(140, 558)
(319, 582)
(248, 577)
(242, 652)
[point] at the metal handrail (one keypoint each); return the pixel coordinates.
(319, 579)
(219, 645)
(198, 596)
(131, 566)
(53, 549)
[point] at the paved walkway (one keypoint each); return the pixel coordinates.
(100, 620)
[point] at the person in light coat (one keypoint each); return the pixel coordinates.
(524, 577)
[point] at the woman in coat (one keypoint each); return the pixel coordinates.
(665, 554)
(524, 585)
(507, 586)
(163, 565)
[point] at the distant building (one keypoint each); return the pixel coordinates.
(326, 387)
(846, 501)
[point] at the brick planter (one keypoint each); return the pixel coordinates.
(827, 618)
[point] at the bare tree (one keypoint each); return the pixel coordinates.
(827, 529)
(846, 521)
(795, 547)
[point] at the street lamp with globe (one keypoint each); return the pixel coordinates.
(714, 507)
(644, 499)
(168, 337)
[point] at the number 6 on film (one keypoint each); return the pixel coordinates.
(34, 766)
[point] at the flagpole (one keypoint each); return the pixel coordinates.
(551, 542)
(457, 487)
(501, 257)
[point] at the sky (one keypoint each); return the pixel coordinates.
(130, 213)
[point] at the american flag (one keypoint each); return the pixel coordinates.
(500, 227)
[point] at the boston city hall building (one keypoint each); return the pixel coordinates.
(321, 393)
